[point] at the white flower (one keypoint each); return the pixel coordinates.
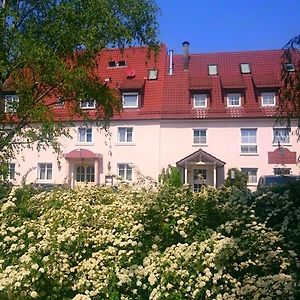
(152, 279)
(34, 294)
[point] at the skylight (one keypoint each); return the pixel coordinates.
(289, 67)
(245, 68)
(212, 70)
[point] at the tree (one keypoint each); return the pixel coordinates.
(289, 94)
(48, 50)
(237, 179)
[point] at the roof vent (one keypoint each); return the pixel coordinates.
(245, 68)
(212, 70)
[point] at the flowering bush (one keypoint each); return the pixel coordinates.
(135, 243)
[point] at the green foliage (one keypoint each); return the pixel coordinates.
(170, 176)
(239, 181)
(48, 49)
(141, 244)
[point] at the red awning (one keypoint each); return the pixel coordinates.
(81, 153)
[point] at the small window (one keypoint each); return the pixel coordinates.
(268, 99)
(122, 63)
(11, 103)
(212, 70)
(152, 74)
(12, 171)
(234, 100)
(199, 136)
(130, 100)
(289, 67)
(88, 104)
(125, 171)
(112, 64)
(200, 100)
(85, 174)
(45, 171)
(281, 135)
(125, 134)
(248, 141)
(85, 135)
(251, 175)
(245, 68)
(59, 102)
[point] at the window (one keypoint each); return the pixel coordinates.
(200, 136)
(268, 99)
(130, 100)
(59, 102)
(12, 171)
(234, 100)
(289, 67)
(88, 104)
(85, 135)
(200, 100)
(248, 141)
(116, 64)
(125, 134)
(85, 174)
(125, 171)
(200, 177)
(281, 135)
(245, 68)
(44, 171)
(11, 103)
(251, 175)
(212, 70)
(152, 74)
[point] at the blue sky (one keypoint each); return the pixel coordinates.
(228, 25)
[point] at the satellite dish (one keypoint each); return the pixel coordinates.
(130, 73)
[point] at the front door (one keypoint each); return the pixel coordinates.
(199, 179)
(84, 175)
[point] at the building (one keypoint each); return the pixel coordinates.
(204, 113)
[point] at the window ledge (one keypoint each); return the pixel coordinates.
(281, 144)
(84, 144)
(199, 145)
(44, 181)
(125, 144)
(249, 154)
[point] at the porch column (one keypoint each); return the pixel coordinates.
(72, 175)
(97, 175)
(215, 175)
(185, 173)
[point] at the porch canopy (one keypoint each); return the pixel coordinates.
(202, 159)
(82, 154)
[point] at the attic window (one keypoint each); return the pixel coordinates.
(212, 70)
(152, 74)
(117, 64)
(245, 69)
(289, 67)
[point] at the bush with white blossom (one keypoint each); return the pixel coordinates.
(137, 243)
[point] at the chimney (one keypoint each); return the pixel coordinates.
(170, 62)
(186, 57)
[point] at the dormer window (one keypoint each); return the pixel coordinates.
(200, 100)
(212, 70)
(88, 104)
(117, 63)
(130, 100)
(234, 100)
(245, 68)
(268, 99)
(11, 103)
(289, 67)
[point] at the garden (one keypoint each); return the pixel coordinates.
(163, 242)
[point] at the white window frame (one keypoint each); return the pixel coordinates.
(252, 177)
(88, 104)
(11, 103)
(130, 94)
(85, 132)
(127, 170)
(213, 69)
(282, 142)
(47, 167)
(230, 99)
(128, 137)
(268, 94)
(199, 137)
(250, 143)
(201, 99)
